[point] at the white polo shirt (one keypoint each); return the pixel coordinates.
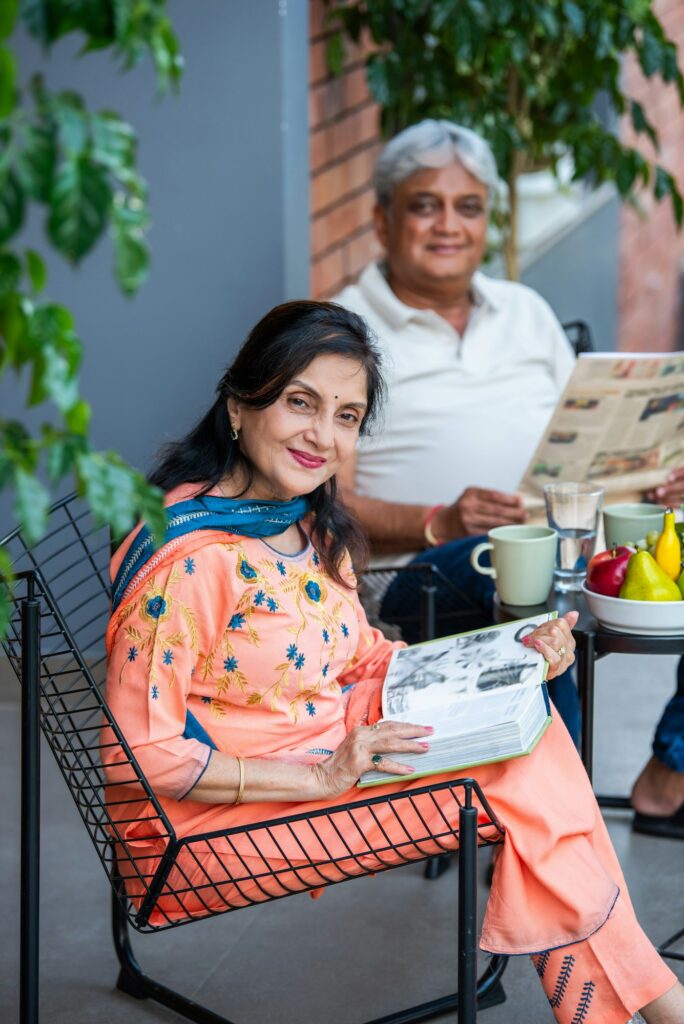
(462, 410)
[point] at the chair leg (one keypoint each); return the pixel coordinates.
(30, 810)
(135, 983)
(485, 992)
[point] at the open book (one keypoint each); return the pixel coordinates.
(483, 692)
(619, 423)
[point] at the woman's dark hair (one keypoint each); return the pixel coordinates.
(280, 347)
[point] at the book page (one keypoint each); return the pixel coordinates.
(619, 423)
(434, 681)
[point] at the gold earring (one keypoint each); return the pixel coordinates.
(233, 433)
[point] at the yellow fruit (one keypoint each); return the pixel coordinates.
(668, 549)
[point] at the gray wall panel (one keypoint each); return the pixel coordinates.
(215, 159)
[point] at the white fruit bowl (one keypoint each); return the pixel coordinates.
(651, 618)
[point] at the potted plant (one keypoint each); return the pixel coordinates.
(528, 75)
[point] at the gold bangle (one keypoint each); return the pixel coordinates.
(241, 785)
(432, 541)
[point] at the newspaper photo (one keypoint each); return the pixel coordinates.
(619, 423)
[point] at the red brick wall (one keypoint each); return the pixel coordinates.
(344, 126)
(651, 248)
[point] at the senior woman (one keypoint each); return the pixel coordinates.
(247, 680)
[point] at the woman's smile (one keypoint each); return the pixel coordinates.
(306, 459)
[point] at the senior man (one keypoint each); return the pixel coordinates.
(474, 368)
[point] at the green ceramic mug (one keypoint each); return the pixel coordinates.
(523, 560)
(626, 524)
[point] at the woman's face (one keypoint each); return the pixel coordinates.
(300, 441)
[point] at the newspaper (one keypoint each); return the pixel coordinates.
(619, 423)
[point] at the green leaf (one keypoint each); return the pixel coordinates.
(640, 122)
(8, 15)
(10, 274)
(8, 77)
(6, 589)
(31, 504)
(131, 252)
(72, 124)
(37, 271)
(78, 418)
(12, 205)
(37, 159)
(61, 450)
(335, 53)
(113, 142)
(575, 16)
(109, 487)
(80, 204)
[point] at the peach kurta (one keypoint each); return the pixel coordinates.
(231, 645)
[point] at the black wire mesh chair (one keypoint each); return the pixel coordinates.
(55, 645)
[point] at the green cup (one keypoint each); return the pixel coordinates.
(523, 560)
(626, 524)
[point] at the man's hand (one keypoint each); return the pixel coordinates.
(671, 492)
(477, 511)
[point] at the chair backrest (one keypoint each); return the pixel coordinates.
(68, 574)
(579, 336)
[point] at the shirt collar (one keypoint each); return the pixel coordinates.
(377, 292)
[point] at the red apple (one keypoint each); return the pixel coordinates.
(606, 570)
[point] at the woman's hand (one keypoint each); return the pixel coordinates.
(354, 755)
(555, 642)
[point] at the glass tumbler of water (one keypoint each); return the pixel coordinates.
(573, 511)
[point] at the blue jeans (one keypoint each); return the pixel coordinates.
(668, 742)
(464, 601)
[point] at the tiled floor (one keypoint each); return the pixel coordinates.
(363, 950)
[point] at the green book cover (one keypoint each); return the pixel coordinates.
(483, 692)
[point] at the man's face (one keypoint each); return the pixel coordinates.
(435, 230)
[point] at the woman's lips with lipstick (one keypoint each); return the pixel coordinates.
(305, 459)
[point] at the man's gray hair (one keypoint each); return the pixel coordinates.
(428, 145)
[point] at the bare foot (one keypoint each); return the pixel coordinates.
(659, 790)
(666, 1009)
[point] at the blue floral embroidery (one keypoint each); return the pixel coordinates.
(132, 653)
(230, 664)
(237, 621)
(325, 669)
(190, 566)
(272, 604)
(167, 656)
(156, 606)
(292, 652)
(259, 598)
(206, 700)
(316, 560)
(311, 707)
(155, 693)
(299, 660)
(345, 629)
(247, 571)
(281, 568)
(319, 750)
(326, 636)
(313, 591)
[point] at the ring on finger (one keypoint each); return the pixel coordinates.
(561, 651)
(376, 760)
(375, 725)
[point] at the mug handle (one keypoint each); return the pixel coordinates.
(474, 560)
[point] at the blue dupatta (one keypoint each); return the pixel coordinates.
(231, 515)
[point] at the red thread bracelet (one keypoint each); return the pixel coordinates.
(433, 542)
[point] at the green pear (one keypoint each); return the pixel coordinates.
(680, 582)
(646, 581)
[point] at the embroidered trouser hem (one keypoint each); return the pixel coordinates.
(608, 976)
